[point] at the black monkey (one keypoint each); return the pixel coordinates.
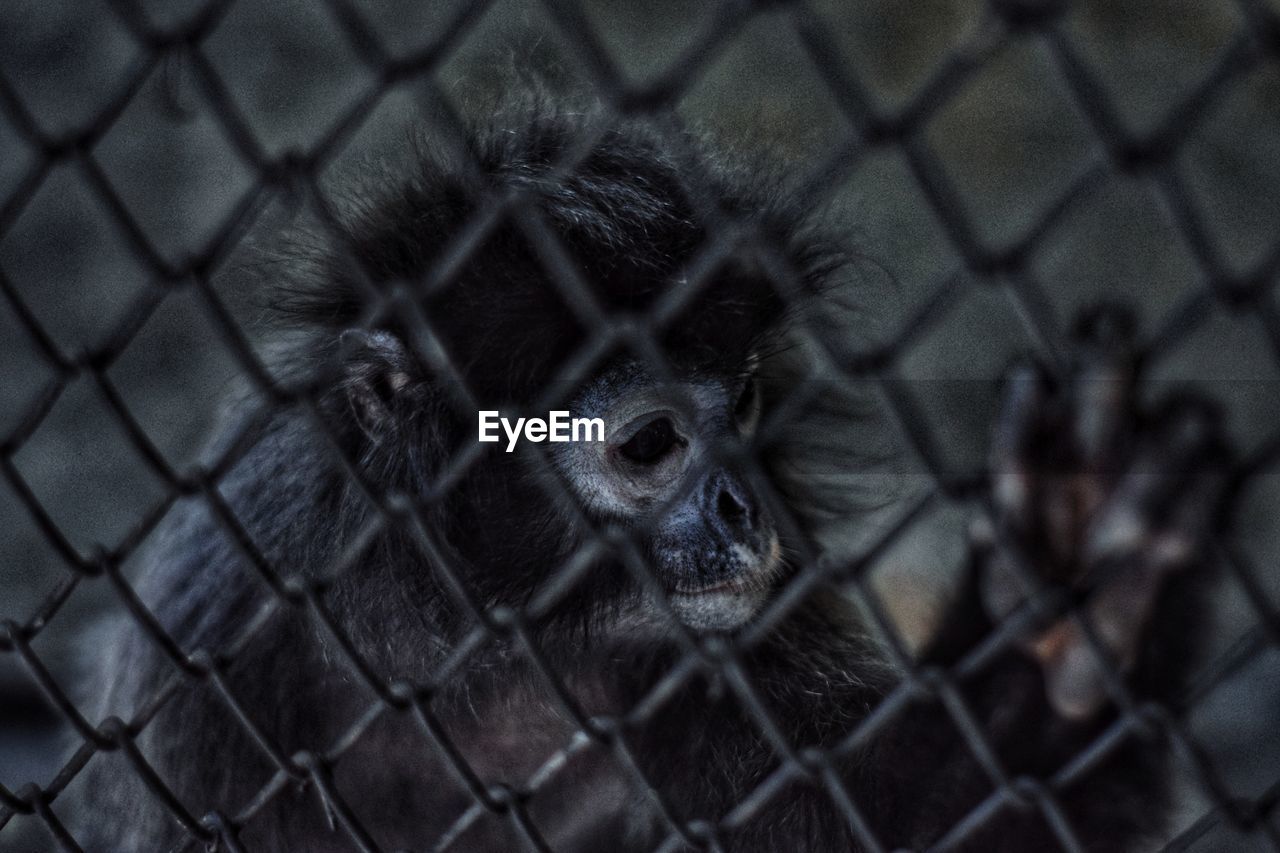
(354, 496)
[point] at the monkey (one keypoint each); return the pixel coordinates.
(350, 639)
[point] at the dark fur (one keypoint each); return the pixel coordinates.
(625, 218)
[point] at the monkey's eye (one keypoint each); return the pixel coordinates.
(653, 441)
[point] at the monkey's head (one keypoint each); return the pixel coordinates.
(675, 465)
(600, 287)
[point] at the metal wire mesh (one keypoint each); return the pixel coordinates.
(1150, 157)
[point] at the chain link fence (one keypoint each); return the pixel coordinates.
(1008, 162)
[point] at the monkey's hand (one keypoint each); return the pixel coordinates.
(1094, 495)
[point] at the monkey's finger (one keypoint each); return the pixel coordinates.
(1016, 441)
(1103, 388)
(1101, 412)
(1174, 480)
(1074, 682)
(1179, 543)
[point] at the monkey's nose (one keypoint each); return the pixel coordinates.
(732, 504)
(731, 509)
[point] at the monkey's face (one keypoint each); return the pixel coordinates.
(666, 469)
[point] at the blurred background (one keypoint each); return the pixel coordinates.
(1025, 167)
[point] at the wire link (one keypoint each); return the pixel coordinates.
(1151, 156)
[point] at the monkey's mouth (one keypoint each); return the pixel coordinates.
(755, 576)
(747, 577)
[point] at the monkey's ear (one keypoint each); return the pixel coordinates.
(378, 371)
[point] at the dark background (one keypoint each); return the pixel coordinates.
(1011, 137)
